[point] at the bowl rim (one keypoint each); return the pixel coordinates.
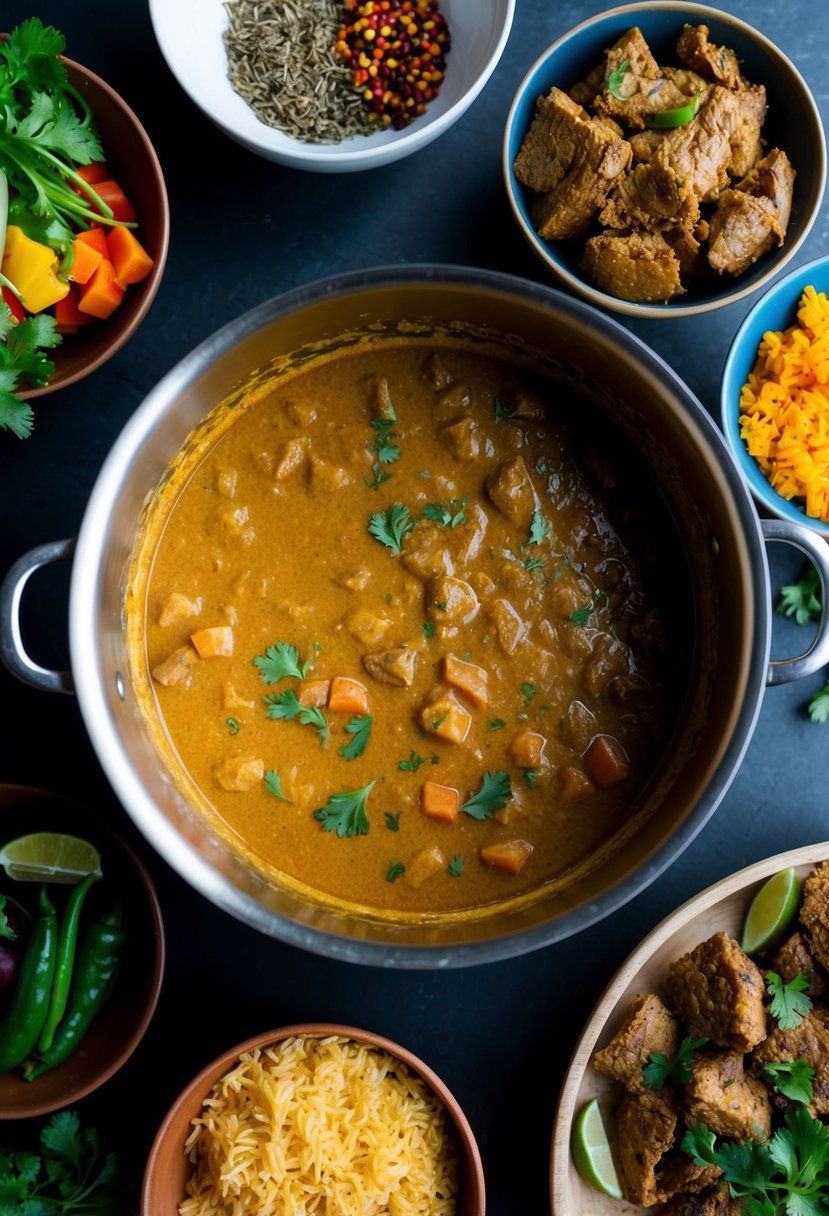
(153, 280)
(698, 308)
(760, 488)
(300, 154)
(207, 1076)
(742, 880)
(126, 1049)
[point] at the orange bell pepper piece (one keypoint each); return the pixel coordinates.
(68, 317)
(129, 257)
(85, 261)
(101, 295)
(96, 238)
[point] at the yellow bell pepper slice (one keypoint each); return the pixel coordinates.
(32, 268)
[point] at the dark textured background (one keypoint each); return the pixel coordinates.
(244, 229)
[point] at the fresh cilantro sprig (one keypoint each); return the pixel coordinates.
(801, 599)
(494, 794)
(281, 661)
(455, 867)
(23, 362)
(413, 763)
(386, 450)
(69, 1175)
(345, 813)
(449, 514)
(286, 706)
(661, 1068)
(789, 1173)
(790, 1002)
(792, 1078)
(391, 526)
(273, 783)
(360, 727)
(539, 529)
(819, 705)
(394, 870)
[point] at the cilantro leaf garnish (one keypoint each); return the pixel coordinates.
(580, 616)
(360, 727)
(502, 410)
(392, 821)
(615, 80)
(281, 661)
(429, 629)
(393, 871)
(528, 691)
(22, 345)
(391, 526)
(448, 514)
(789, 1004)
(232, 725)
(496, 724)
(413, 763)
(286, 706)
(530, 775)
(455, 867)
(273, 783)
(539, 529)
(792, 1078)
(384, 433)
(378, 476)
(345, 813)
(661, 1068)
(494, 794)
(819, 705)
(69, 1174)
(801, 599)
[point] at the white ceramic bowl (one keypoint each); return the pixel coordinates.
(189, 33)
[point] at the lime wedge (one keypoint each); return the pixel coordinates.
(50, 857)
(591, 1151)
(772, 910)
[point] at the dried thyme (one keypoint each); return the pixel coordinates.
(282, 61)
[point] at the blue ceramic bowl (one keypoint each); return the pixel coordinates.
(776, 310)
(793, 123)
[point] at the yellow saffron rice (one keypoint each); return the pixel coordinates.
(784, 407)
(322, 1126)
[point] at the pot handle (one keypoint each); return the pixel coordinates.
(12, 650)
(783, 671)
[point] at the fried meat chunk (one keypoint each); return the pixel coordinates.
(721, 1095)
(645, 1131)
(808, 1041)
(814, 914)
(753, 217)
(639, 266)
(648, 1027)
(716, 63)
(796, 958)
(717, 992)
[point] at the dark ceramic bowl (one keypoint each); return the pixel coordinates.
(135, 166)
(122, 1021)
(793, 123)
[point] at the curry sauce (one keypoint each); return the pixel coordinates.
(401, 618)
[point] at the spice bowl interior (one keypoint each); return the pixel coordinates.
(775, 311)
(168, 1167)
(121, 1022)
(721, 907)
(190, 35)
(792, 123)
(132, 160)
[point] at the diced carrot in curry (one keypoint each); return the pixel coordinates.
(573, 784)
(214, 642)
(313, 694)
(176, 608)
(527, 749)
(428, 862)
(446, 718)
(347, 696)
(173, 669)
(440, 801)
(467, 678)
(507, 855)
(606, 761)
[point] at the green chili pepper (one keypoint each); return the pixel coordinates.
(99, 954)
(29, 1006)
(67, 942)
(616, 79)
(675, 118)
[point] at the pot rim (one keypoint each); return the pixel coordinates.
(94, 698)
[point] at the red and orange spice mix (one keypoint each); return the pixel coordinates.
(397, 50)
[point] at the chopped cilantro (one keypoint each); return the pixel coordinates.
(384, 433)
(448, 514)
(429, 629)
(539, 529)
(273, 782)
(494, 794)
(378, 476)
(661, 1068)
(281, 662)
(345, 813)
(436, 723)
(286, 705)
(789, 1004)
(502, 410)
(392, 821)
(412, 764)
(22, 360)
(530, 775)
(232, 725)
(528, 691)
(390, 527)
(792, 1078)
(580, 616)
(360, 727)
(455, 867)
(393, 871)
(496, 724)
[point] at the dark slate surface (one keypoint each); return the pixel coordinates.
(243, 230)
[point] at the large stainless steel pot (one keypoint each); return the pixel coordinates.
(722, 535)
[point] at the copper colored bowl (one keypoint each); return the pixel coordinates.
(120, 1025)
(168, 1169)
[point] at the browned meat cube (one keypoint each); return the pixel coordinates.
(572, 160)
(680, 1176)
(652, 196)
(748, 113)
(510, 489)
(645, 1131)
(795, 958)
(648, 1027)
(715, 63)
(645, 88)
(639, 266)
(392, 666)
(721, 1096)
(814, 914)
(645, 144)
(752, 218)
(808, 1041)
(585, 92)
(712, 1203)
(717, 992)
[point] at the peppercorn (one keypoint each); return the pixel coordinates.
(404, 43)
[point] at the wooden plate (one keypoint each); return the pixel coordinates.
(722, 906)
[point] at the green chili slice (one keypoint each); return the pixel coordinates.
(615, 80)
(675, 118)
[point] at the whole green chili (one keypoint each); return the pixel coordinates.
(99, 955)
(67, 942)
(29, 1006)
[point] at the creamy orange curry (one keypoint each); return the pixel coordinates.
(403, 614)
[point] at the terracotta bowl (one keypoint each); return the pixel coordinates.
(721, 906)
(136, 168)
(168, 1168)
(123, 1020)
